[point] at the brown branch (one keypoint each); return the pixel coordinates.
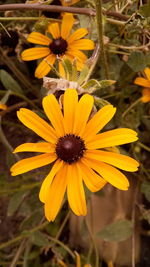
(116, 15)
(52, 8)
(11, 108)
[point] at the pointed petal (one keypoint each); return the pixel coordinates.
(83, 44)
(79, 55)
(38, 125)
(35, 147)
(92, 180)
(120, 161)
(70, 104)
(68, 3)
(32, 163)
(53, 112)
(145, 95)
(55, 194)
(99, 120)
(82, 113)
(38, 38)
(114, 137)
(35, 53)
(61, 70)
(109, 173)
(54, 30)
(3, 106)
(78, 34)
(66, 25)
(142, 82)
(48, 180)
(44, 68)
(75, 191)
(147, 73)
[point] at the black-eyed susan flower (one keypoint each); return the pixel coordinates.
(63, 44)
(77, 150)
(145, 82)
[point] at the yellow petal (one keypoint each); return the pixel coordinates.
(32, 163)
(3, 106)
(114, 137)
(79, 55)
(66, 25)
(55, 194)
(35, 147)
(70, 104)
(38, 125)
(109, 173)
(78, 34)
(54, 30)
(44, 68)
(35, 53)
(78, 261)
(38, 38)
(82, 113)
(145, 95)
(142, 82)
(147, 72)
(53, 112)
(48, 180)
(83, 44)
(62, 70)
(68, 3)
(98, 121)
(75, 191)
(92, 180)
(120, 161)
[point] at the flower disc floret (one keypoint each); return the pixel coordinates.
(58, 46)
(70, 148)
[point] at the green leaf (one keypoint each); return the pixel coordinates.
(9, 83)
(39, 239)
(83, 74)
(145, 189)
(14, 203)
(137, 61)
(118, 231)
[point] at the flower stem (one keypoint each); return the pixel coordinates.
(99, 18)
(130, 107)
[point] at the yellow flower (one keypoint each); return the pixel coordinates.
(63, 44)
(145, 82)
(73, 142)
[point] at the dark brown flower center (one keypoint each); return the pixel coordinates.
(58, 46)
(70, 148)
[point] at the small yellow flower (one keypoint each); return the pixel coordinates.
(76, 147)
(63, 44)
(145, 82)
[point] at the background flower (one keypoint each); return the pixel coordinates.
(63, 44)
(145, 82)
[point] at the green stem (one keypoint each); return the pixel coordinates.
(144, 146)
(99, 18)
(130, 107)
(26, 19)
